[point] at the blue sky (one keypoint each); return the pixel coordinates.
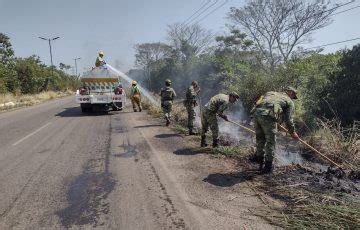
(115, 26)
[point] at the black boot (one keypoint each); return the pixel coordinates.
(167, 122)
(258, 160)
(203, 141)
(268, 167)
(215, 143)
(191, 131)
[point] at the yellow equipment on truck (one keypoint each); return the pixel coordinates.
(100, 90)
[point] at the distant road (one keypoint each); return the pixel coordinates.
(61, 169)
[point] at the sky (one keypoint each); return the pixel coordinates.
(86, 27)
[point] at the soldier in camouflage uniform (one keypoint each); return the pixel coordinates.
(167, 95)
(271, 108)
(216, 106)
(190, 104)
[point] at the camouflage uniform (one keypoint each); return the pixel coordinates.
(270, 109)
(190, 104)
(135, 97)
(99, 61)
(167, 95)
(217, 105)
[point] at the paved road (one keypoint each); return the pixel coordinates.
(60, 169)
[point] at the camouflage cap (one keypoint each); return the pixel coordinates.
(194, 83)
(234, 94)
(167, 82)
(289, 88)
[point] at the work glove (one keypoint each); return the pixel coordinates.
(295, 136)
(223, 116)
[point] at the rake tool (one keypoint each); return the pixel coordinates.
(300, 140)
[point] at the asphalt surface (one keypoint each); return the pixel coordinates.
(61, 169)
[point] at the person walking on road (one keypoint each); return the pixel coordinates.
(216, 106)
(135, 96)
(271, 108)
(99, 60)
(167, 95)
(190, 103)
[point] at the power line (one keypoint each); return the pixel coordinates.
(202, 12)
(321, 12)
(226, 1)
(334, 43)
(195, 12)
(346, 10)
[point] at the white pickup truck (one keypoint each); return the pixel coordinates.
(100, 90)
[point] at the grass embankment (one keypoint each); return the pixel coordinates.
(306, 208)
(10, 101)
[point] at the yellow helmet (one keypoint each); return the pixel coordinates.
(101, 53)
(134, 83)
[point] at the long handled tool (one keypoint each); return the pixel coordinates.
(242, 126)
(200, 107)
(312, 148)
(300, 140)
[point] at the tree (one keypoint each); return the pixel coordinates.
(190, 40)
(6, 51)
(343, 93)
(147, 54)
(277, 27)
(64, 67)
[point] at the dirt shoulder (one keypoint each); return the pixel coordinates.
(202, 191)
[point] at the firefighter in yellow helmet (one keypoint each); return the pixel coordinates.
(99, 60)
(135, 96)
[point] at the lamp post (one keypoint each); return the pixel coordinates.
(49, 40)
(75, 59)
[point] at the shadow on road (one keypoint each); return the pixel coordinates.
(76, 112)
(147, 126)
(185, 152)
(167, 135)
(230, 179)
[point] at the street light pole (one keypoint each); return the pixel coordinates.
(49, 40)
(51, 59)
(75, 59)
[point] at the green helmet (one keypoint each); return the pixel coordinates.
(289, 88)
(167, 82)
(234, 94)
(194, 83)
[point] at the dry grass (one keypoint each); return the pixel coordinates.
(338, 143)
(27, 100)
(310, 210)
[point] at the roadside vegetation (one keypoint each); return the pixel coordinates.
(11, 101)
(263, 51)
(28, 80)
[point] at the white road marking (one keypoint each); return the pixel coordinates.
(26, 137)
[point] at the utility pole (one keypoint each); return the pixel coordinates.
(51, 67)
(49, 40)
(75, 59)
